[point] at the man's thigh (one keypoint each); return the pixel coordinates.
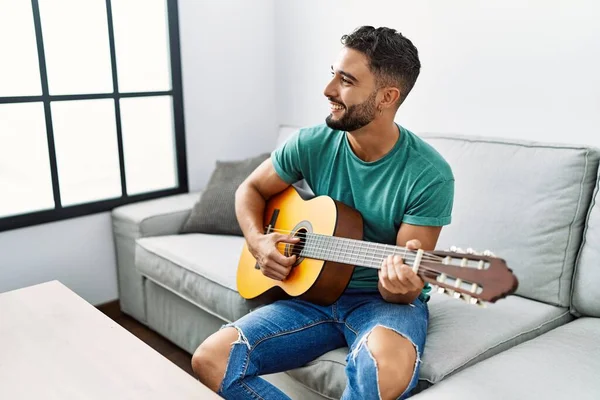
(287, 334)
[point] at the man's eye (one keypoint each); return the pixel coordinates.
(345, 80)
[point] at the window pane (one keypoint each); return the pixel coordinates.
(148, 143)
(19, 70)
(25, 179)
(87, 153)
(75, 36)
(142, 45)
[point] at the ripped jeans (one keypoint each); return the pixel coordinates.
(288, 334)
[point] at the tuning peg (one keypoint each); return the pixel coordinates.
(457, 295)
(441, 290)
(453, 249)
(488, 253)
(478, 302)
(460, 251)
(470, 250)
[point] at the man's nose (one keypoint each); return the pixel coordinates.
(331, 89)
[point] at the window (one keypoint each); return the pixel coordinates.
(91, 113)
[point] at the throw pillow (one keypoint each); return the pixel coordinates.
(214, 212)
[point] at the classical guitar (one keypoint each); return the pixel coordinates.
(331, 245)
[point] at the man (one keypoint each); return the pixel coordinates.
(404, 191)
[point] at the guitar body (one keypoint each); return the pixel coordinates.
(317, 281)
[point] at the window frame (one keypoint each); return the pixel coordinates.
(61, 213)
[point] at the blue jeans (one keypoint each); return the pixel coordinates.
(288, 334)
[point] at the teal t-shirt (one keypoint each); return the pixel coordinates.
(412, 183)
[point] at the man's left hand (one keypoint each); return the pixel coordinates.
(398, 278)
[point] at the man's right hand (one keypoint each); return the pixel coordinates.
(272, 262)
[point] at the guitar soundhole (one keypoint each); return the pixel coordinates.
(296, 249)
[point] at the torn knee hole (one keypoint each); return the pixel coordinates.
(241, 338)
(364, 342)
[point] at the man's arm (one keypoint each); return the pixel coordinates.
(251, 197)
(250, 200)
(397, 281)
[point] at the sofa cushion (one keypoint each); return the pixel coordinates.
(200, 268)
(459, 335)
(561, 364)
(527, 202)
(215, 210)
(586, 296)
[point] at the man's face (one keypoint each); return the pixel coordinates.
(352, 92)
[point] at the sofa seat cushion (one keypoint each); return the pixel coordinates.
(561, 364)
(200, 268)
(459, 335)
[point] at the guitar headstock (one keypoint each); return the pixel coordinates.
(476, 278)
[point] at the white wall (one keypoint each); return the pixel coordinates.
(229, 98)
(491, 68)
(78, 252)
(228, 81)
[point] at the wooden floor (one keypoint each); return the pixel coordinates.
(172, 352)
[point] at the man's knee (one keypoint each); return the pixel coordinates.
(395, 358)
(209, 361)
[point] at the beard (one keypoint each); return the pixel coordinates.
(354, 117)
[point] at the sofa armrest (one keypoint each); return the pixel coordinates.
(164, 216)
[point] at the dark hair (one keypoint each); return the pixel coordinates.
(393, 59)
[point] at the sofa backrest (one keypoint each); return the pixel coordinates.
(526, 202)
(586, 283)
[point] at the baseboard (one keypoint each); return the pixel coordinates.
(112, 309)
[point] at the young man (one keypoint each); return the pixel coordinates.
(404, 191)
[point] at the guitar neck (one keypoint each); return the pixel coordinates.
(348, 251)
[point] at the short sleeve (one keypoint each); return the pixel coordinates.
(286, 160)
(432, 206)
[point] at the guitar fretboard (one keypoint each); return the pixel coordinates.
(349, 251)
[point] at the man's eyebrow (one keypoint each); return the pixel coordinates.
(345, 74)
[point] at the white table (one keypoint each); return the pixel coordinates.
(55, 345)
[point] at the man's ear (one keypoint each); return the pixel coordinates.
(391, 95)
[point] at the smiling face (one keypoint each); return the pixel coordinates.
(352, 92)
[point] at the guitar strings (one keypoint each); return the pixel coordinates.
(372, 263)
(372, 249)
(369, 258)
(368, 253)
(371, 246)
(430, 272)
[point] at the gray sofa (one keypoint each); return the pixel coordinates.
(531, 203)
